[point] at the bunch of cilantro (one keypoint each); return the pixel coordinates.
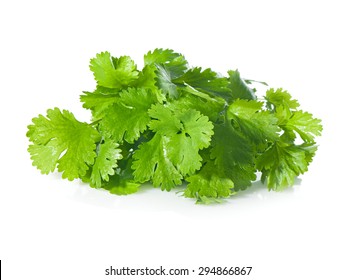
(171, 125)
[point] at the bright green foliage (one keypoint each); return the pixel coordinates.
(99, 100)
(279, 97)
(169, 124)
(209, 184)
(174, 63)
(59, 139)
(256, 124)
(233, 154)
(164, 82)
(206, 81)
(305, 125)
(119, 186)
(282, 162)
(167, 65)
(152, 162)
(147, 80)
(105, 162)
(175, 147)
(122, 182)
(128, 118)
(239, 87)
(112, 72)
(207, 107)
(229, 168)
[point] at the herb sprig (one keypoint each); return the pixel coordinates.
(171, 124)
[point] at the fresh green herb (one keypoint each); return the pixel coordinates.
(170, 124)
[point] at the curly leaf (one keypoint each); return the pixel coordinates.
(59, 139)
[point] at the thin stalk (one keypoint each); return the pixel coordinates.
(95, 122)
(205, 96)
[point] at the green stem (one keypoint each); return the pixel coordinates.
(95, 122)
(205, 96)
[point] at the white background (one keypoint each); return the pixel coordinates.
(55, 229)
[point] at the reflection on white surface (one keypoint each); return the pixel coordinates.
(150, 199)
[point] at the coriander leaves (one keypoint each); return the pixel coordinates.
(170, 124)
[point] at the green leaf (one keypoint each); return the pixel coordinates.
(168, 65)
(124, 188)
(128, 118)
(59, 139)
(105, 162)
(164, 121)
(290, 119)
(256, 124)
(112, 72)
(249, 82)
(164, 82)
(121, 186)
(233, 156)
(122, 182)
(147, 80)
(230, 147)
(281, 163)
(207, 107)
(208, 183)
(168, 124)
(152, 163)
(206, 81)
(239, 88)
(188, 131)
(99, 100)
(174, 63)
(179, 137)
(45, 157)
(279, 97)
(305, 125)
